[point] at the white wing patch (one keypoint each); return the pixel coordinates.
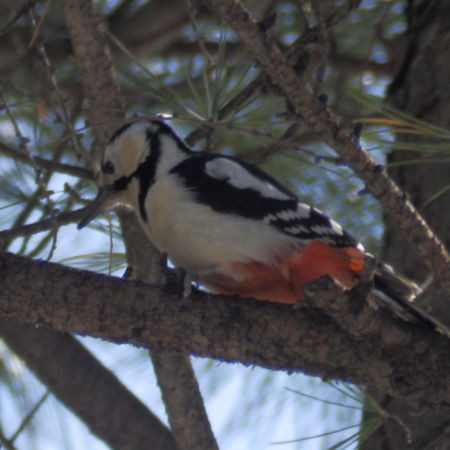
(336, 227)
(321, 230)
(236, 175)
(297, 229)
(292, 214)
(302, 212)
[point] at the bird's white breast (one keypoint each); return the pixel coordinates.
(196, 237)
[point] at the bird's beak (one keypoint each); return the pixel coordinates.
(97, 206)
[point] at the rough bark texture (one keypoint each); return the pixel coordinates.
(386, 356)
(421, 88)
(183, 400)
(95, 63)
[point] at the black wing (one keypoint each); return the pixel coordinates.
(231, 186)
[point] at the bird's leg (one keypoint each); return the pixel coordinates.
(129, 273)
(193, 276)
(187, 285)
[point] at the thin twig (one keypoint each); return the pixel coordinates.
(192, 11)
(53, 84)
(52, 223)
(5, 441)
(39, 23)
(22, 11)
(324, 44)
(26, 420)
(294, 54)
(42, 163)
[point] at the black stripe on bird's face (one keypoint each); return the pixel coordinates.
(146, 171)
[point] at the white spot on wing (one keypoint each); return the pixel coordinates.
(320, 229)
(297, 229)
(287, 215)
(303, 210)
(336, 227)
(269, 218)
(300, 213)
(235, 174)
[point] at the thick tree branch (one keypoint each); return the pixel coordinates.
(88, 38)
(87, 388)
(338, 136)
(385, 357)
(94, 60)
(181, 395)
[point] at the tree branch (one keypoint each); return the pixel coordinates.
(270, 335)
(181, 395)
(88, 37)
(86, 387)
(94, 60)
(42, 163)
(51, 223)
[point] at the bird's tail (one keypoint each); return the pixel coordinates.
(399, 293)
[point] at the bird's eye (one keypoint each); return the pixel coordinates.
(108, 167)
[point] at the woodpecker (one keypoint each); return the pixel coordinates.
(231, 226)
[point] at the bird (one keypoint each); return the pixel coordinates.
(232, 227)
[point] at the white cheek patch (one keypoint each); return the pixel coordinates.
(237, 176)
(131, 147)
(126, 151)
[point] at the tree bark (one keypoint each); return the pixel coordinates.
(384, 355)
(421, 89)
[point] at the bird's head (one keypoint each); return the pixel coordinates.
(137, 153)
